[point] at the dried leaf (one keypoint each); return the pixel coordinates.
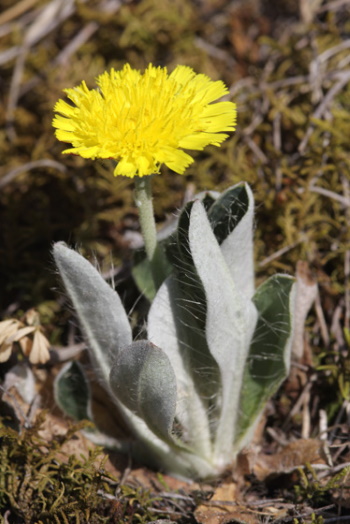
(39, 353)
(7, 329)
(223, 508)
(306, 292)
(292, 456)
(26, 344)
(5, 352)
(22, 332)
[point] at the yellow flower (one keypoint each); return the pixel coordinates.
(145, 120)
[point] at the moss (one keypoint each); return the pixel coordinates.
(39, 483)
(277, 106)
(317, 492)
(294, 155)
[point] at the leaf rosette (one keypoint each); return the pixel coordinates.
(216, 348)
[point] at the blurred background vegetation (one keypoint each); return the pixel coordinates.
(286, 65)
(287, 70)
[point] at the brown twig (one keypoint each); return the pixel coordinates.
(16, 10)
(344, 78)
(46, 162)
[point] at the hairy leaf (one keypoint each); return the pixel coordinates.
(269, 354)
(231, 218)
(230, 319)
(72, 392)
(167, 328)
(99, 308)
(143, 379)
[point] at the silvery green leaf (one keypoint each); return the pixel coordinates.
(231, 217)
(177, 461)
(228, 209)
(142, 274)
(207, 198)
(190, 309)
(99, 308)
(270, 351)
(143, 379)
(72, 392)
(73, 396)
(167, 328)
(230, 321)
(106, 327)
(22, 378)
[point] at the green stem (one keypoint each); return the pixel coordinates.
(155, 254)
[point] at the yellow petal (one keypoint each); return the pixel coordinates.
(145, 119)
(177, 160)
(200, 141)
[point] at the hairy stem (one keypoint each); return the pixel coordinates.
(154, 252)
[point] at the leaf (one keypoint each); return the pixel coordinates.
(143, 379)
(22, 378)
(306, 293)
(190, 309)
(292, 456)
(106, 327)
(142, 274)
(231, 218)
(72, 393)
(22, 332)
(99, 308)
(222, 508)
(230, 320)
(8, 329)
(270, 351)
(207, 198)
(228, 210)
(167, 328)
(39, 352)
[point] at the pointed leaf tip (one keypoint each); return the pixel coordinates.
(99, 308)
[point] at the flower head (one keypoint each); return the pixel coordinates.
(145, 120)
